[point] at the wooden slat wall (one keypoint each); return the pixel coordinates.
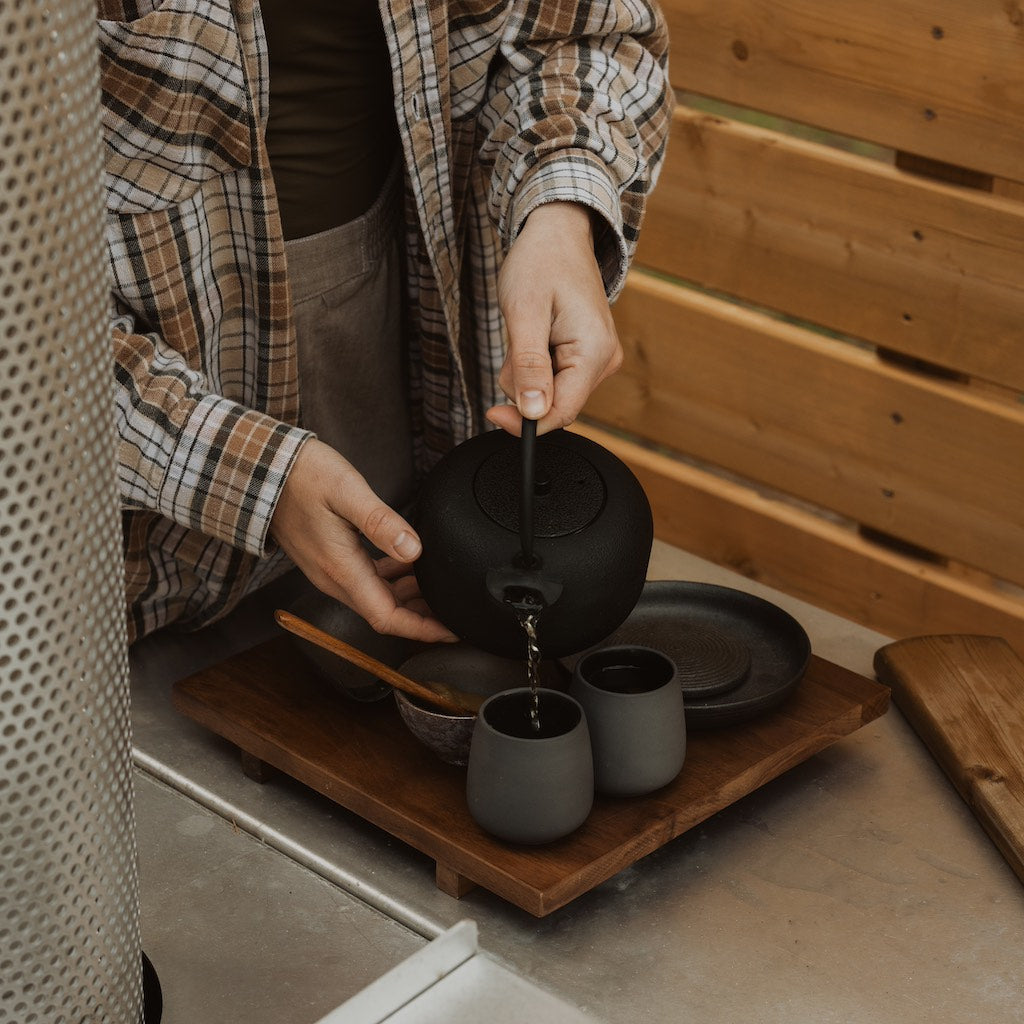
(943, 78)
(853, 347)
(923, 268)
(821, 420)
(791, 549)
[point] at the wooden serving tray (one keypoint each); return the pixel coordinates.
(361, 756)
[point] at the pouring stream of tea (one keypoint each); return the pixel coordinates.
(528, 611)
(528, 620)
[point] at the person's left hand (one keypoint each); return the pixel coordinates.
(562, 341)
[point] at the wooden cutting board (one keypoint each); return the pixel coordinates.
(964, 695)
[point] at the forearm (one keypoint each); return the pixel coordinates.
(579, 111)
(198, 458)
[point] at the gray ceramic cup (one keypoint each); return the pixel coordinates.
(525, 786)
(634, 707)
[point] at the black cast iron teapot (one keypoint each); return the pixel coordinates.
(556, 526)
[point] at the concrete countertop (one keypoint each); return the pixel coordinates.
(858, 887)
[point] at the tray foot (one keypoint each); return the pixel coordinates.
(255, 769)
(451, 883)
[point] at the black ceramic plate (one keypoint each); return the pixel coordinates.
(737, 655)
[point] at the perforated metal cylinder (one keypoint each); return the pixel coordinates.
(69, 932)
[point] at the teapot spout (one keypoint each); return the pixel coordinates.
(524, 591)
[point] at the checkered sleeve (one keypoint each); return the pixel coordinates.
(579, 110)
(204, 461)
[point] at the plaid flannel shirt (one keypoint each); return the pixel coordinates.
(502, 105)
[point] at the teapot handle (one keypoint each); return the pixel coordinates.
(529, 455)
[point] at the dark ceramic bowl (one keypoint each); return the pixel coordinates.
(473, 671)
(340, 621)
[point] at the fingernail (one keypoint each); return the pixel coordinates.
(407, 546)
(531, 404)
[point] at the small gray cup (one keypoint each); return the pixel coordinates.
(634, 707)
(524, 786)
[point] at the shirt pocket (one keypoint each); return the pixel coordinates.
(176, 105)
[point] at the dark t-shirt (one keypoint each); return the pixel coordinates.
(331, 133)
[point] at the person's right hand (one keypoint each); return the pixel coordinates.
(324, 507)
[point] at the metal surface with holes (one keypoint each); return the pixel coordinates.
(69, 932)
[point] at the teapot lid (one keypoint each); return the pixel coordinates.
(569, 491)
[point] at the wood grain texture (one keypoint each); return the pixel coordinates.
(932, 463)
(941, 79)
(362, 757)
(797, 551)
(437, 694)
(451, 883)
(926, 269)
(964, 695)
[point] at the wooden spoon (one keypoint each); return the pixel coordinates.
(454, 701)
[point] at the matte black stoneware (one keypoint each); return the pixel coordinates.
(341, 621)
(524, 786)
(737, 655)
(472, 671)
(634, 707)
(575, 545)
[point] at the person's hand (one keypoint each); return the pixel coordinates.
(562, 341)
(323, 508)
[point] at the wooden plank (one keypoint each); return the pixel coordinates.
(827, 422)
(942, 79)
(800, 553)
(930, 270)
(964, 695)
(1010, 189)
(363, 758)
